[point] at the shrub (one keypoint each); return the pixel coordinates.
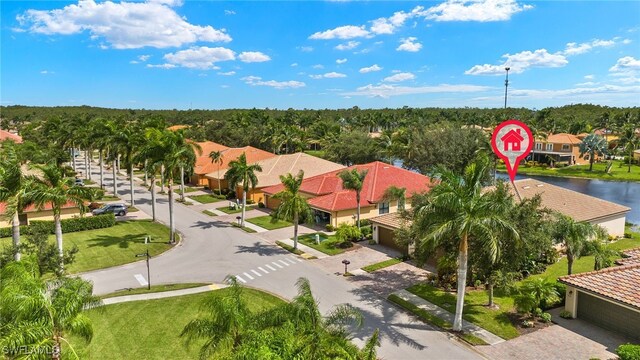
(446, 270)
(628, 352)
(627, 235)
(348, 233)
(250, 202)
(477, 283)
(545, 317)
(565, 314)
(365, 222)
(68, 225)
(261, 205)
(366, 231)
(330, 227)
(536, 293)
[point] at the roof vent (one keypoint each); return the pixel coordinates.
(540, 185)
(526, 187)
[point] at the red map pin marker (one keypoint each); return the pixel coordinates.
(512, 141)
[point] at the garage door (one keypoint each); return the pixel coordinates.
(609, 315)
(386, 238)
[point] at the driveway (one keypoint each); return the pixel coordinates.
(211, 250)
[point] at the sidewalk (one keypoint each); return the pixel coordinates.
(162, 295)
(483, 334)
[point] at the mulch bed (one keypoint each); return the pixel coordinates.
(517, 319)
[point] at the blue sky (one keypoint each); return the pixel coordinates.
(166, 54)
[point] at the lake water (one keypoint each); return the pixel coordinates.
(623, 193)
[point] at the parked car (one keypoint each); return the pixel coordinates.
(117, 209)
(79, 182)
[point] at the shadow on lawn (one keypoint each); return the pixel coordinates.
(122, 242)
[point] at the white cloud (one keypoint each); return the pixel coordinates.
(577, 49)
(550, 94)
(329, 75)
(305, 48)
(371, 68)
(520, 62)
(627, 41)
(341, 61)
(318, 66)
(229, 12)
(161, 66)
(475, 10)
(257, 81)
(228, 73)
(124, 25)
(253, 56)
(403, 76)
(349, 45)
(294, 65)
(409, 44)
(386, 90)
(46, 72)
(200, 57)
(382, 26)
(589, 77)
(341, 32)
(144, 58)
(587, 83)
(626, 64)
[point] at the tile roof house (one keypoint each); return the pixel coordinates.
(274, 167)
(6, 135)
(33, 213)
(203, 163)
(579, 206)
(335, 205)
(560, 147)
(208, 172)
(609, 297)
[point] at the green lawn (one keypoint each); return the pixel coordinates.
(289, 248)
(206, 199)
(150, 329)
(154, 289)
(381, 265)
(617, 172)
(189, 189)
(112, 246)
(109, 198)
(246, 229)
(238, 210)
(210, 213)
(265, 222)
(475, 311)
(329, 246)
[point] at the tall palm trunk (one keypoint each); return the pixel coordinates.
(15, 233)
(161, 178)
(219, 189)
(86, 164)
(146, 173)
(101, 170)
(90, 158)
(358, 209)
(172, 226)
(115, 179)
(244, 205)
(569, 264)
(133, 202)
(462, 282)
(73, 156)
(118, 160)
(591, 159)
(58, 231)
(295, 231)
(181, 183)
(490, 285)
(153, 197)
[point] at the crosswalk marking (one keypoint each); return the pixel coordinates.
(291, 261)
(141, 279)
(284, 263)
(255, 272)
(241, 279)
(263, 270)
(270, 267)
(297, 259)
(248, 276)
(276, 264)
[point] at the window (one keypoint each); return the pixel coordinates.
(538, 146)
(383, 208)
(549, 147)
(565, 147)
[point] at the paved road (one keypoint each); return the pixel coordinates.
(210, 251)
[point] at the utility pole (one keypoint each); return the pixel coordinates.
(506, 86)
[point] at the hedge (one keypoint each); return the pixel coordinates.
(68, 225)
(628, 352)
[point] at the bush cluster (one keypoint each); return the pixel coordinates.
(68, 225)
(628, 352)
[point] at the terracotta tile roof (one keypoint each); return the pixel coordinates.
(203, 162)
(32, 208)
(631, 256)
(391, 221)
(563, 138)
(278, 165)
(618, 283)
(228, 155)
(329, 194)
(5, 135)
(579, 206)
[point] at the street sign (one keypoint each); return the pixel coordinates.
(512, 141)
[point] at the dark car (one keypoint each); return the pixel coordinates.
(79, 182)
(117, 209)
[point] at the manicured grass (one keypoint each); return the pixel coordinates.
(112, 246)
(210, 213)
(109, 198)
(227, 210)
(265, 222)
(617, 172)
(88, 182)
(289, 248)
(132, 209)
(154, 289)
(381, 265)
(475, 309)
(206, 199)
(246, 229)
(150, 329)
(328, 246)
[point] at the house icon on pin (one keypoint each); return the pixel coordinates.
(512, 138)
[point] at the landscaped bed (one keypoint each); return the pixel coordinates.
(112, 246)
(236, 210)
(154, 289)
(265, 222)
(150, 329)
(381, 265)
(329, 244)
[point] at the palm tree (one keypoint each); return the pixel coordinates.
(38, 314)
(536, 293)
(152, 154)
(630, 141)
(129, 140)
(13, 187)
(293, 206)
(394, 193)
(353, 180)
(188, 159)
(458, 211)
(593, 145)
(574, 236)
(55, 190)
(102, 133)
(240, 172)
(217, 158)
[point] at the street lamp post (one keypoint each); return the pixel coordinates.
(506, 85)
(146, 254)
